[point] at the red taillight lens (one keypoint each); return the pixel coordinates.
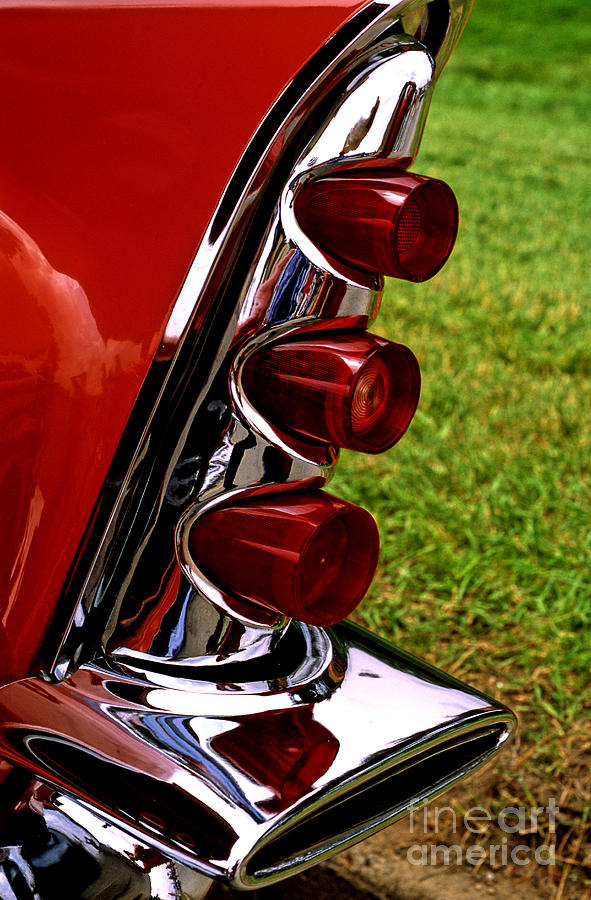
(308, 555)
(389, 223)
(353, 390)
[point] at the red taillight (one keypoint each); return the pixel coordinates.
(307, 555)
(354, 390)
(389, 223)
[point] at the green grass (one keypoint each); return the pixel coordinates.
(484, 507)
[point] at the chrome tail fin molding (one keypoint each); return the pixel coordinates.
(193, 437)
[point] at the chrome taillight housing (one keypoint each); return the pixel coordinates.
(272, 370)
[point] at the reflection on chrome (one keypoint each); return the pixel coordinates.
(257, 778)
(52, 846)
(291, 288)
(397, 92)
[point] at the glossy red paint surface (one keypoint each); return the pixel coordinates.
(121, 124)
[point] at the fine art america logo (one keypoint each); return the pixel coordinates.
(513, 820)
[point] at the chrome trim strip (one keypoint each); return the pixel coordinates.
(380, 65)
(402, 71)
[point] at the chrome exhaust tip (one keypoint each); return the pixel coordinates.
(251, 781)
(371, 804)
(430, 731)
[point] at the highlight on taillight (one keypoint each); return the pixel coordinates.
(308, 555)
(354, 389)
(385, 222)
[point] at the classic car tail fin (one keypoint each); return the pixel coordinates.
(197, 696)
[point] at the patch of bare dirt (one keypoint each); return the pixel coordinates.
(377, 870)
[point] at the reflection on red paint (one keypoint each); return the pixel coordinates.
(55, 368)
